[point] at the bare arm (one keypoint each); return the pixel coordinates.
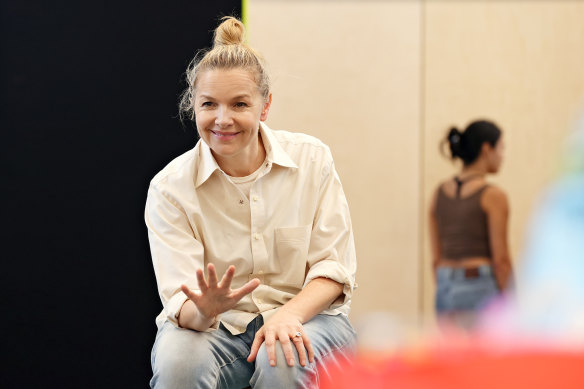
(434, 236)
(495, 204)
(318, 295)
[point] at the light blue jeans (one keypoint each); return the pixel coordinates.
(459, 299)
(187, 359)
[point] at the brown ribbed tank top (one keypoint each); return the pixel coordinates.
(462, 225)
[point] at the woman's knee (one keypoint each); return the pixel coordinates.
(182, 358)
(282, 375)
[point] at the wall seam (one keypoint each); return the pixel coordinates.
(422, 169)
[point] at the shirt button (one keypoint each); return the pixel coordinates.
(261, 272)
(255, 198)
(260, 301)
(256, 236)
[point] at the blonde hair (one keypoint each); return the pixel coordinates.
(229, 51)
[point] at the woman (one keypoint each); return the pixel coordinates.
(264, 210)
(468, 227)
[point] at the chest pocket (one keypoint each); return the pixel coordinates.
(292, 250)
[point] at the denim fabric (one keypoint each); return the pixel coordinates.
(455, 293)
(185, 359)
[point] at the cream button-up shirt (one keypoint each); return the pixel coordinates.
(293, 227)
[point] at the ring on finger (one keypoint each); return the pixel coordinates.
(298, 334)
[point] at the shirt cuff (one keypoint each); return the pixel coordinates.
(173, 307)
(333, 270)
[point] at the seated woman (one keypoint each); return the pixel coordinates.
(251, 239)
(468, 227)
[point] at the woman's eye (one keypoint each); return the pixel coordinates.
(207, 104)
(241, 104)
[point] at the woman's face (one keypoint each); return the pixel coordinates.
(496, 156)
(228, 110)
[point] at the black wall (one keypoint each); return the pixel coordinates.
(88, 98)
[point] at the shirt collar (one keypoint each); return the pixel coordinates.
(274, 151)
(274, 154)
(207, 163)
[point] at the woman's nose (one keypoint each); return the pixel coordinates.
(223, 118)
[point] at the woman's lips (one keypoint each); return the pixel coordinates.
(224, 135)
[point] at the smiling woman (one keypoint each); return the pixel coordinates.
(267, 210)
(228, 108)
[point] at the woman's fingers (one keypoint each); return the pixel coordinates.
(245, 289)
(194, 297)
(255, 346)
(308, 347)
(227, 277)
(212, 275)
(270, 340)
(287, 341)
(201, 281)
(298, 342)
(186, 290)
(286, 344)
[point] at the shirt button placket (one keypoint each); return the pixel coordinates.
(259, 256)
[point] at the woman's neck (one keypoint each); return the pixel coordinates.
(244, 165)
(473, 170)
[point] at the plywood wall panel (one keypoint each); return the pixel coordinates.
(381, 82)
(348, 73)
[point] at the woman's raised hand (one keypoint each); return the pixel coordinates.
(217, 297)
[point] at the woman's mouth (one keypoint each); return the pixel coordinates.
(224, 135)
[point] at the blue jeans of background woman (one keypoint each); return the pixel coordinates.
(459, 297)
(186, 359)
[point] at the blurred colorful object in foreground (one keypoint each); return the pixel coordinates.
(548, 307)
(464, 369)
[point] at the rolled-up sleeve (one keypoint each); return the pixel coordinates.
(332, 249)
(176, 253)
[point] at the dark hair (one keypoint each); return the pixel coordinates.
(467, 145)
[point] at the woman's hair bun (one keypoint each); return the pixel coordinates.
(467, 145)
(230, 32)
(454, 140)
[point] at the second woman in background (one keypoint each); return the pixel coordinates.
(468, 227)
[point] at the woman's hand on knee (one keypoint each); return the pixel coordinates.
(287, 329)
(216, 296)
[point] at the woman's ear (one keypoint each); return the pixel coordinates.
(487, 149)
(266, 108)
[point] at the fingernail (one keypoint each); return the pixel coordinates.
(291, 362)
(272, 362)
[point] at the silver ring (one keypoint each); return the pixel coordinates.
(298, 334)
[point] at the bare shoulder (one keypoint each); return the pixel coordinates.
(448, 187)
(494, 198)
(434, 197)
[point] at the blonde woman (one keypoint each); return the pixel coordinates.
(250, 237)
(468, 227)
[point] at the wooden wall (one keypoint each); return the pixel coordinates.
(381, 82)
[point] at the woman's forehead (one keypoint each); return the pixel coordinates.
(226, 81)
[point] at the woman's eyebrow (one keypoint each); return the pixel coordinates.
(237, 97)
(241, 96)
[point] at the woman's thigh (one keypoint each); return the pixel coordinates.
(183, 358)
